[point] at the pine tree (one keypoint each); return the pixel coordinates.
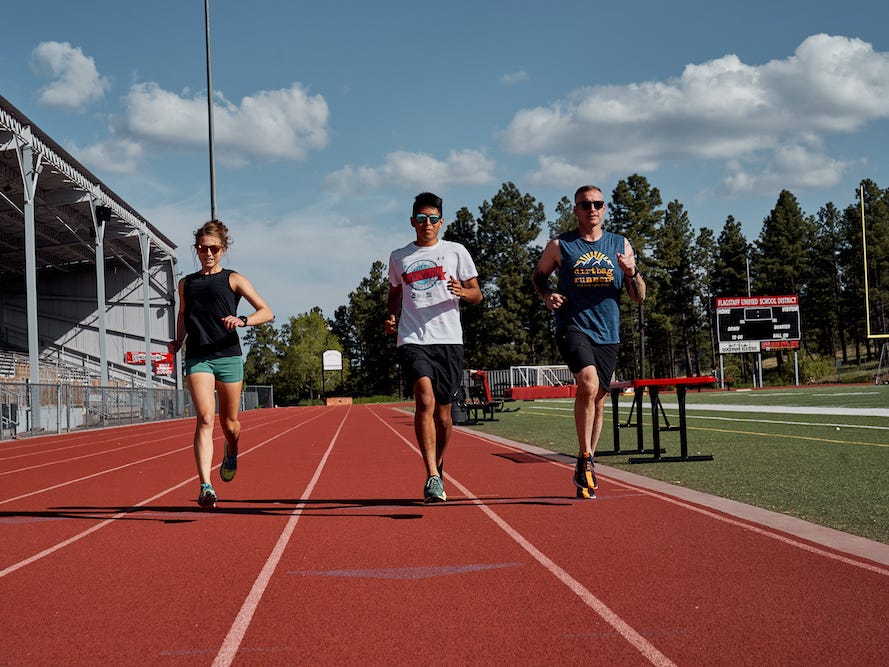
(672, 255)
(359, 325)
(635, 214)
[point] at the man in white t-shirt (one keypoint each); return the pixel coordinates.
(427, 279)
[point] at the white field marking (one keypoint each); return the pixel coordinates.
(787, 423)
(235, 636)
(709, 513)
(636, 640)
(747, 421)
(71, 540)
(780, 409)
(101, 472)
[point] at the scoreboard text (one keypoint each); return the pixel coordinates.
(754, 323)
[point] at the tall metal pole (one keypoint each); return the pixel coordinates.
(210, 113)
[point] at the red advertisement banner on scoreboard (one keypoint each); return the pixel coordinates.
(779, 345)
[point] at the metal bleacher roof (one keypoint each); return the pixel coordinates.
(64, 229)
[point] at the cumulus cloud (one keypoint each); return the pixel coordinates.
(416, 170)
(75, 80)
(771, 117)
(316, 277)
(795, 165)
(283, 124)
(120, 156)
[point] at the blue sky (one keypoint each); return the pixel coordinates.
(330, 117)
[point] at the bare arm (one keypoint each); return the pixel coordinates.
(635, 283)
(468, 290)
(549, 262)
(261, 314)
(393, 307)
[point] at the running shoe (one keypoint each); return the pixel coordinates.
(229, 466)
(207, 496)
(585, 473)
(586, 494)
(434, 491)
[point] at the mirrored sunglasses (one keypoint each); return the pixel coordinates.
(421, 218)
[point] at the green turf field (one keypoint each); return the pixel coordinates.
(818, 453)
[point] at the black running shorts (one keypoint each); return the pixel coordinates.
(579, 351)
(443, 364)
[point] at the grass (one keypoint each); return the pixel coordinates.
(826, 468)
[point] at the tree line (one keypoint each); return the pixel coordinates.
(818, 257)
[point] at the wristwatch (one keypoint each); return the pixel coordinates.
(243, 319)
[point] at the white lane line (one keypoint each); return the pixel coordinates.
(624, 629)
(79, 536)
(106, 471)
(235, 636)
(707, 512)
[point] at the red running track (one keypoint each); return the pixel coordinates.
(320, 552)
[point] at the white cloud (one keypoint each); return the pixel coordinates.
(283, 124)
(75, 80)
(791, 166)
(722, 109)
(291, 260)
(513, 78)
(119, 156)
(417, 171)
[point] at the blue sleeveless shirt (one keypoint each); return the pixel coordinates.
(591, 279)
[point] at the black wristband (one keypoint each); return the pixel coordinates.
(635, 272)
(243, 319)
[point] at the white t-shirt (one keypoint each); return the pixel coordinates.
(430, 314)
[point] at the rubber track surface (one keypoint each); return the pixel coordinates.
(321, 552)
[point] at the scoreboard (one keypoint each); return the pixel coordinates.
(755, 323)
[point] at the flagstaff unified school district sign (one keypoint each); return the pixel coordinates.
(755, 323)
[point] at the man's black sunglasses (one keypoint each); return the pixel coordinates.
(588, 205)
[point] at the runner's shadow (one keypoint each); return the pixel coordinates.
(259, 507)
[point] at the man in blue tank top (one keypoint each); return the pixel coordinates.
(593, 266)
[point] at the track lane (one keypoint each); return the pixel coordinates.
(153, 581)
(410, 575)
(694, 578)
(358, 580)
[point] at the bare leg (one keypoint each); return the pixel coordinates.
(229, 403)
(443, 426)
(200, 386)
(589, 410)
(425, 424)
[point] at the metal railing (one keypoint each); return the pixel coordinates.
(28, 409)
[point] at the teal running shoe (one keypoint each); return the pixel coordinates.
(207, 496)
(434, 491)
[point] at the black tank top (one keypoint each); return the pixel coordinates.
(209, 298)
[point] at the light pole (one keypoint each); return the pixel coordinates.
(210, 113)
